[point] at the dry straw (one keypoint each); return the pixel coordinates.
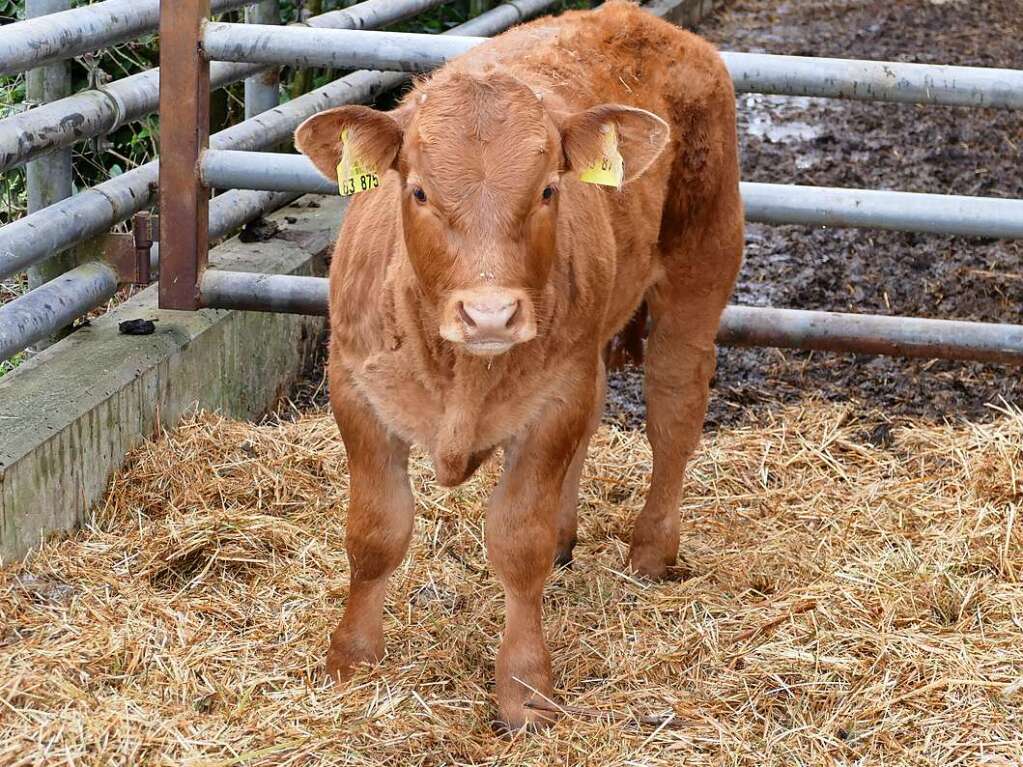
(846, 596)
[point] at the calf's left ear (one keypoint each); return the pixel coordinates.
(640, 137)
(372, 137)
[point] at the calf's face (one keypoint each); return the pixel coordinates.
(481, 160)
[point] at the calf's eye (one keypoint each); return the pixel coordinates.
(419, 194)
(548, 193)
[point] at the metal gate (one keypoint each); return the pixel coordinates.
(192, 162)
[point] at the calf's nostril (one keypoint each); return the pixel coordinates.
(513, 316)
(464, 315)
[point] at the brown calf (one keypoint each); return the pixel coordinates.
(474, 291)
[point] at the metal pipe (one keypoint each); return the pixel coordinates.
(250, 291)
(96, 112)
(740, 325)
(751, 72)
(94, 211)
(872, 334)
(370, 15)
(105, 109)
(234, 209)
(48, 179)
(262, 91)
(271, 171)
(876, 80)
(332, 48)
(900, 211)
(503, 16)
(765, 203)
(34, 42)
(40, 312)
(56, 304)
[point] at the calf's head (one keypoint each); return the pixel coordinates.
(481, 159)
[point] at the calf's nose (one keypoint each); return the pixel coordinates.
(488, 321)
(489, 313)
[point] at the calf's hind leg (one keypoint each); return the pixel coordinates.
(685, 311)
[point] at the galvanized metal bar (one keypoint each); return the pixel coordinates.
(250, 291)
(184, 136)
(270, 171)
(876, 80)
(32, 43)
(41, 312)
(765, 203)
(33, 133)
(752, 72)
(503, 16)
(39, 235)
(48, 179)
(94, 211)
(370, 15)
(105, 109)
(740, 325)
(263, 91)
(872, 334)
(333, 48)
(234, 209)
(872, 209)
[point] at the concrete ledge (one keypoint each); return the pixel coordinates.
(70, 414)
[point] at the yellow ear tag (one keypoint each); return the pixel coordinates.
(609, 168)
(353, 176)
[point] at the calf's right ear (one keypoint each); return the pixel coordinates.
(371, 136)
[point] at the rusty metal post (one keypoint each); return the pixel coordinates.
(184, 135)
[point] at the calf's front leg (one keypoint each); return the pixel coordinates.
(380, 516)
(521, 535)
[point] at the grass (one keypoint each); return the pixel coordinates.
(841, 599)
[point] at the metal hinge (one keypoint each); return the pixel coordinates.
(129, 252)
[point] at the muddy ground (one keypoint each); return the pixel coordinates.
(874, 146)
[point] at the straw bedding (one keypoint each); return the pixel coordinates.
(849, 593)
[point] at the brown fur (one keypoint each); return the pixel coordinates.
(482, 138)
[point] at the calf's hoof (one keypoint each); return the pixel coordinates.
(563, 554)
(650, 561)
(524, 677)
(345, 655)
(534, 715)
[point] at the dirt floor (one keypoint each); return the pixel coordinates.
(820, 142)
